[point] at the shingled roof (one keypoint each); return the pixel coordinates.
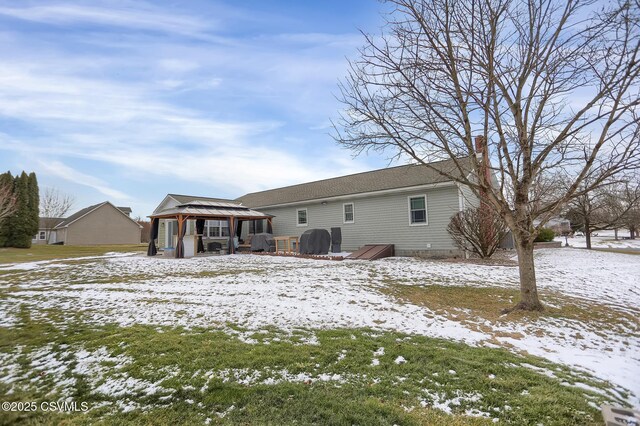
(372, 181)
(45, 222)
(77, 215)
(183, 199)
(80, 213)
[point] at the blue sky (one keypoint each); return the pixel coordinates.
(127, 101)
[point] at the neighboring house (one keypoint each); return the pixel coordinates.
(215, 230)
(125, 210)
(559, 225)
(46, 234)
(101, 223)
(408, 206)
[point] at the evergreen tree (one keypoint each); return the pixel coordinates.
(5, 179)
(34, 205)
(20, 223)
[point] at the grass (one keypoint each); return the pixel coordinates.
(234, 376)
(39, 252)
(252, 378)
(470, 304)
(620, 250)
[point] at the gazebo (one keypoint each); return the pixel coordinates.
(200, 211)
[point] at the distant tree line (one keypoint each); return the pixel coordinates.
(614, 206)
(19, 201)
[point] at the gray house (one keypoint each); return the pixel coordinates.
(408, 206)
(101, 223)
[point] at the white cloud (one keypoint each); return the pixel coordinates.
(56, 168)
(231, 113)
(178, 65)
(123, 126)
(136, 15)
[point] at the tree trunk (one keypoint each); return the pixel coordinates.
(587, 233)
(615, 233)
(528, 290)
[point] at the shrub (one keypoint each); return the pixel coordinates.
(545, 235)
(478, 230)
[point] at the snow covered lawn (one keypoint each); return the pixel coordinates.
(242, 294)
(604, 239)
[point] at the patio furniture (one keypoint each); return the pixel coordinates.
(263, 242)
(246, 245)
(214, 247)
(290, 243)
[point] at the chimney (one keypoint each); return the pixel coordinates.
(479, 144)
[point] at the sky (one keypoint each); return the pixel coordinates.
(127, 101)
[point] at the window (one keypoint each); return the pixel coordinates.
(302, 217)
(42, 235)
(348, 216)
(216, 228)
(256, 227)
(418, 210)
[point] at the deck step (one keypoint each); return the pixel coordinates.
(372, 252)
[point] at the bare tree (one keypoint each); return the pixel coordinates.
(146, 228)
(628, 207)
(609, 206)
(54, 206)
(477, 230)
(550, 87)
(7, 201)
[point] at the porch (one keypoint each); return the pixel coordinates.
(232, 214)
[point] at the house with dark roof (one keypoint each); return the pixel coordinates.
(408, 206)
(101, 223)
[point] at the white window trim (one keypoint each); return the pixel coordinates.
(222, 224)
(461, 201)
(42, 237)
(426, 210)
(306, 214)
(353, 213)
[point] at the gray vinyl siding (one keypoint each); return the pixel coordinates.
(162, 233)
(469, 199)
(104, 225)
(382, 219)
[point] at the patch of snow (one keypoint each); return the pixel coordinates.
(291, 293)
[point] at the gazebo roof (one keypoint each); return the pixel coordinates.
(200, 209)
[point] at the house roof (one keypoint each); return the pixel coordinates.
(125, 210)
(81, 213)
(45, 222)
(183, 199)
(212, 210)
(372, 181)
(77, 215)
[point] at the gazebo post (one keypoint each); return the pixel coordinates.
(232, 234)
(180, 245)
